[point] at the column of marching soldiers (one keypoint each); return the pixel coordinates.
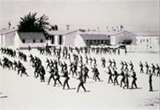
(69, 59)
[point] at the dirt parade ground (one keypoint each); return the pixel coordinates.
(29, 93)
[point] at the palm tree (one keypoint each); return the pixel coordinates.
(42, 22)
(32, 24)
(28, 23)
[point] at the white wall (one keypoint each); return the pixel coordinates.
(142, 40)
(79, 42)
(147, 41)
(145, 44)
(70, 39)
(9, 39)
(56, 40)
(17, 41)
(113, 40)
(1, 40)
(31, 44)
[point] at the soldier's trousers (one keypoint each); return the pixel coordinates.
(66, 83)
(81, 84)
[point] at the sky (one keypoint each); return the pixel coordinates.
(85, 13)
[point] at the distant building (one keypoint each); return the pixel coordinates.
(76, 38)
(13, 38)
(148, 41)
(92, 39)
(123, 37)
(139, 42)
(7, 38)
(62, 38)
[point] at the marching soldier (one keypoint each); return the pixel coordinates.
(0, 63)
(96, 73)
(90, 60)
(23, 71)
(126, 66)
(86, 59)
(134, 80)
(150, 81)
(118, 51)
(103, 62)
(85, 69)
(81, 84)
(141, 67)
(123, 78)
(75, 68)
(19, 66)
(122, 67)
(158, 70)
(95, 61)
(131, 64)
(110, 75)
(115, 78)
(153, 69)
(114, 64)
(51, 75)
(147, 67)
(66, 79)
(126, 80)
(110, 63)
(56, 76)
(42, 73)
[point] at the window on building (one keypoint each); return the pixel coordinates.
(101, 41)
(107, 42)
(91, 42)
(41, 40)
(60, 40)
(52, 39)
(140, 40)
(97, 42)
(147, 40)
(87, 41)
(34, 40)
(23, 41)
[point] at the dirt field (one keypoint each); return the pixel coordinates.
(28, 93)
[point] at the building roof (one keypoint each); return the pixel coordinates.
(147, 33)
(94, 36)
(31, 35)
(120, 32)
(7, 31)
(60, 32)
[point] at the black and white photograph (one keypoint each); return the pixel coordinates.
(79, 54)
